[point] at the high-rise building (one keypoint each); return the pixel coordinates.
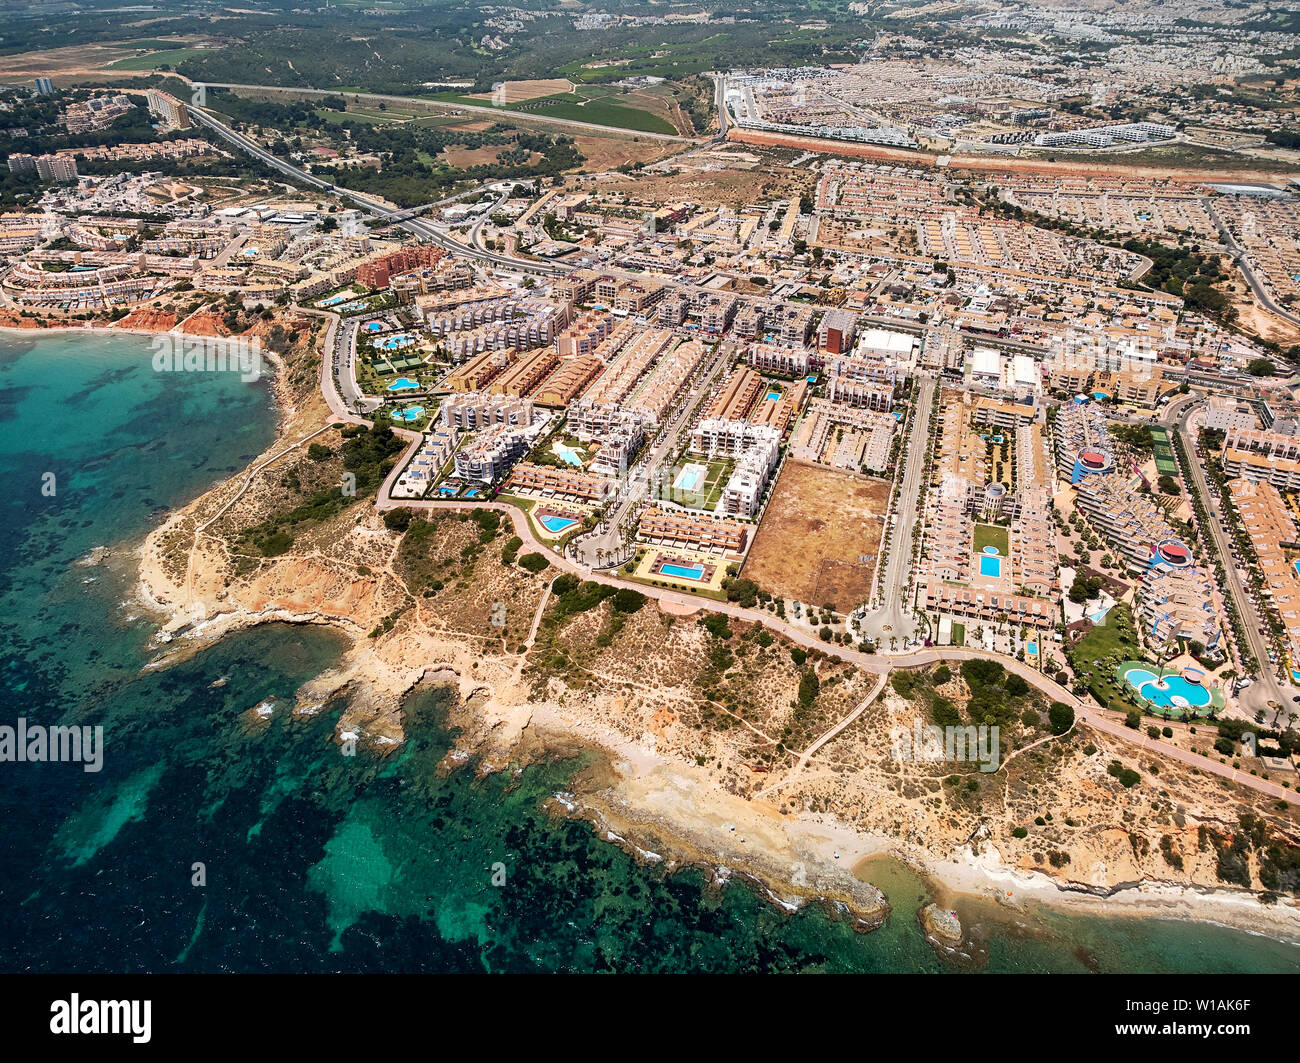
(56, 167)
(169, 108)
(44, 86)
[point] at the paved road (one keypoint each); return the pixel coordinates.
(638, 484)
(894, 615)
(877, 663)
(389, 215)
(1266, 688)
(1239, 255)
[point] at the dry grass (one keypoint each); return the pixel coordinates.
(818, 524)
(519, 91)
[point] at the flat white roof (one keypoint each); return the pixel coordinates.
(985, 361)
(884, 340)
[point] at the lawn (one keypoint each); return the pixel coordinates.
(992, 535)
(959, 634)
(1109, 643)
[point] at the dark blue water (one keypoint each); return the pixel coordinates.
(212, 843)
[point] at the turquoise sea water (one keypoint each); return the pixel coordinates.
(314, 861)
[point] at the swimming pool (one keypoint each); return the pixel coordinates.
(990, 565)
(1173, 691)
(568, 455)
(1098, 616)
(394, 342)
(555, 525)
(402, 383)
(411, 413)
(374, 326)
(1031, 648)
(688, 477)
(695, 572)
(773, 396)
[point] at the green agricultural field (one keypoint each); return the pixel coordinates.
(576, 108)
(597, 112)
(154, 60)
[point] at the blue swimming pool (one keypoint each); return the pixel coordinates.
(773, 395)
(1098, 615)
(990, 565)
(694, 572)
(411, 413)
(568, 455)
(447, 490)
(555, 525)
(402, 383)
(1172, 691)
(374, 326)
(1031, 648)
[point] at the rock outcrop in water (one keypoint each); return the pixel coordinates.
(942, 928)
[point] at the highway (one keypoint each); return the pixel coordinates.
(402, 218)
(486, 110)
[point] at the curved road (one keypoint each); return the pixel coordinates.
(1238, 254)
(867, 662)
(441, 105)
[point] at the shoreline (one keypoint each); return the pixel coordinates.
(649, 801)
(658, 809)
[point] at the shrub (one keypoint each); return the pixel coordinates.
(398, 519)
(1020, 832)
(534, 562)
(716, 625)
(278, 542)
(1060, 717)
(511, 550)
(627, 600)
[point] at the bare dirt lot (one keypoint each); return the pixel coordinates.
(460, 155)
(818, 526)
(519, 91)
